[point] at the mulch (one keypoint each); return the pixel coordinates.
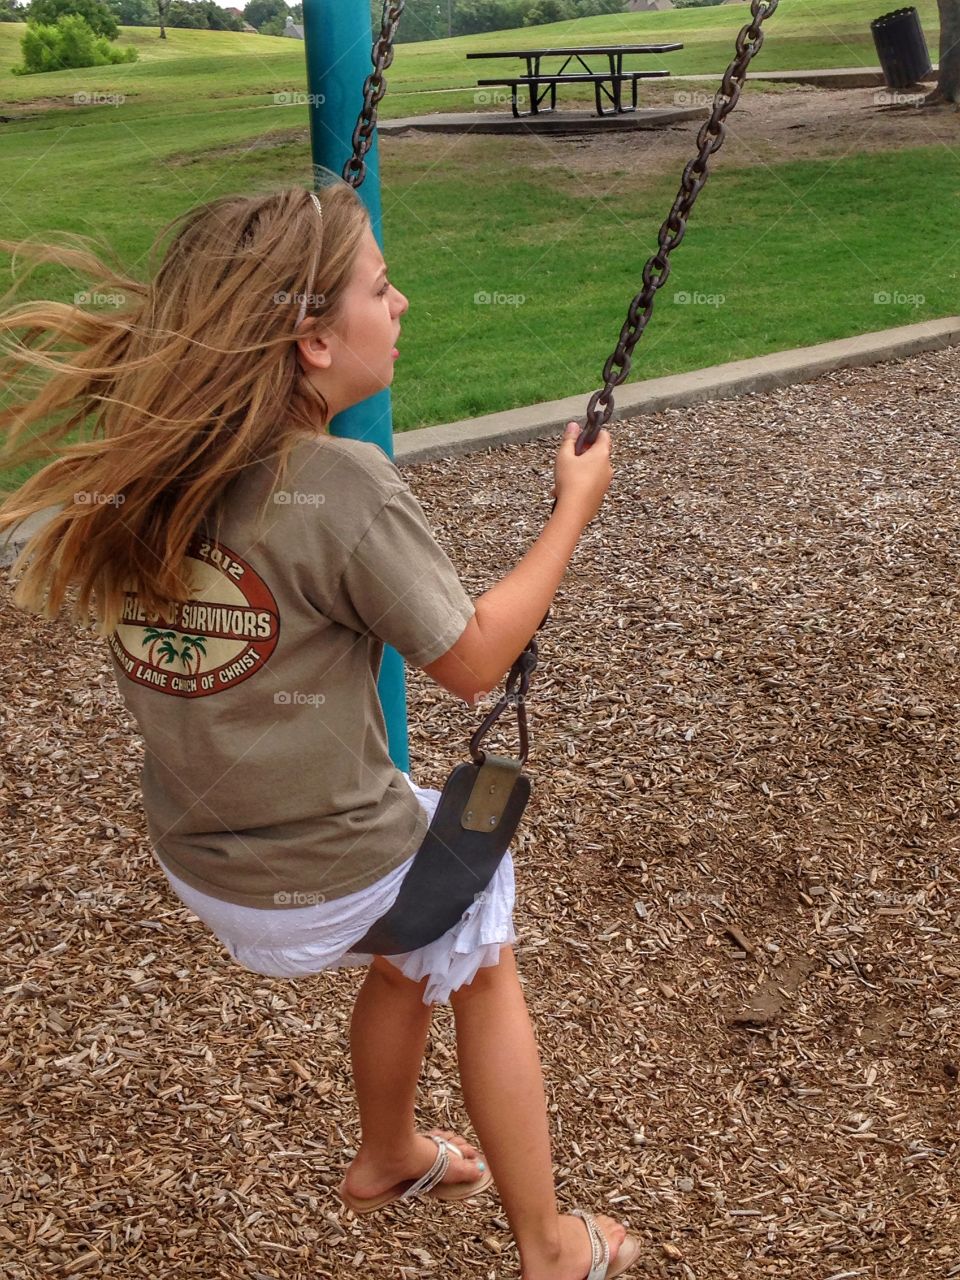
(738, 906)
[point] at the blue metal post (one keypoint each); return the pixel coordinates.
(338, 39)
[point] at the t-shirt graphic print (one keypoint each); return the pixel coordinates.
(226, 630)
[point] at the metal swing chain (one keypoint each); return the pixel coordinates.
(354, 172)
(710, 139)
(655, 273)
(355, 169)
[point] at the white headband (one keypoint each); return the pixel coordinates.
(303, 304)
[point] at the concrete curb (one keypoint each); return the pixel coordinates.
(13, 540)
(561, 122)
(721, 382)
(828, 78)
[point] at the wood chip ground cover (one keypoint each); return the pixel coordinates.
(738, 891)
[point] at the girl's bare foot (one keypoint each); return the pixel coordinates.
(366, 1178)
(575, 1257)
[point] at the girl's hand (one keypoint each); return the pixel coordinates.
(581, 483)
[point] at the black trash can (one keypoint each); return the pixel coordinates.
(901, 47)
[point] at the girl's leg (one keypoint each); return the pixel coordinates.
(504, 1095)
(388, 1034)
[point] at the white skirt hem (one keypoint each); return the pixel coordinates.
(299, 941)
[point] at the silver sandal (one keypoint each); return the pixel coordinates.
(434, 1174)
(601, 1267)
(428, 1185)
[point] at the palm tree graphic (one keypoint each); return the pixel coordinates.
(199, 643)
(167, 650)
(151, 635)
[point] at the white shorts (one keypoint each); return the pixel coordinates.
(297, 941)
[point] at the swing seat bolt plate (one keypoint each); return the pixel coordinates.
(492, 790)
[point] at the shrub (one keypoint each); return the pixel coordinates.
(69, 42)
(96, 14)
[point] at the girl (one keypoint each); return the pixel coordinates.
(247, 569)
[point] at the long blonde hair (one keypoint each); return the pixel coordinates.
(186, 382)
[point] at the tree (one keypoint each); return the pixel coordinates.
(275, 26)
(194, 15)
(11, 11)
(948, 85)
(593, 8)
(94, 12)
(471, 16)
(219, 20)
(257, 12)
(134, 13)
(547, 11)
(182, 14)
(422, 19)
(437, 19)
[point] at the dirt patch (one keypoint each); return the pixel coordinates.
(35, 105)
(773, 996)
(797, 122)
(14, 111)
(274, 140)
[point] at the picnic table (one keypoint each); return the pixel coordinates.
(540, 83)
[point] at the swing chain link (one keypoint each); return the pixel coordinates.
(354, 172)
(655, 273)
(657, 268)
(355, 169)
(514, 695)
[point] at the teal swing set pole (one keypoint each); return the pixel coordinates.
(338, 38)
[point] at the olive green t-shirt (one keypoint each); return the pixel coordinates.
(266, 779)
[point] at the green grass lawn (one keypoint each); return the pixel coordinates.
(801, 34)
(775, 257)
(797, 251)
